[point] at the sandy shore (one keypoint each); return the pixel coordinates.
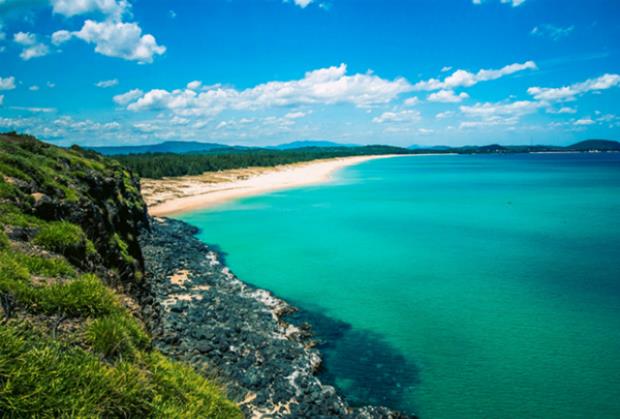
(177, 195)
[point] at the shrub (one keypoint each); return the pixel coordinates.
(116, 335)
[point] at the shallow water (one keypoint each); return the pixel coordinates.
(452, 286)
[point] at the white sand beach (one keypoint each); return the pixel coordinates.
(171, 196)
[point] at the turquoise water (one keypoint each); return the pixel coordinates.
(452, 286)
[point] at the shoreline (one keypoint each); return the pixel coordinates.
(173, 196)
(201, 313)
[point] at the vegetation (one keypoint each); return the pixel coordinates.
(41, 377)
(69, 344)
(158, 165)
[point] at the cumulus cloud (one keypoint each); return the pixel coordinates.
(32, 48)
(569, 93)
(34, 88)
(551, 31)
(323, 86)
(463, 78)
(115, 39)
(398, 117)
(70, 8)
(104, 84)
(127, 97)
(447, 96)
(1, 100)
(7, 83)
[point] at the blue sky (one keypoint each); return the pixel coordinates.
(258, 72)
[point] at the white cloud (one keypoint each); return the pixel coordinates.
(194, 85)
(447, 96)
(323, 86)
(1, 100)
(107, 83)
(569, 93)
(463, 78)
(399, 117)
(7, 83)
(33, 109)
(295, 115)
(70, 8)
(495, 114)
(115, 39)
(50, 84)
(302, 3)
(489, 109)
(127, 97)
(33, 88)
(514, 3)
(584, 121)
(32, 48)
(551, 31)
(444, 115)
(446, 68)
(411, 101)
(562, 110)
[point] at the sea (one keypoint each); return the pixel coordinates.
(450, 286)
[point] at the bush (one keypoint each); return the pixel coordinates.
(116, 335)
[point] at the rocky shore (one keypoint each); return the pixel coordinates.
(199, 312)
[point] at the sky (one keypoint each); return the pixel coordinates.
(263, 72)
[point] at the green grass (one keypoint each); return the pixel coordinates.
(13, 216)
(43, 378)
(117, 335)
(54, 267)
(60, 237)
(4, 240)
(82, 297)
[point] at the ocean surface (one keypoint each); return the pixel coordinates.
(451, 286)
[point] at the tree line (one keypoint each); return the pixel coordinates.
(159, 165)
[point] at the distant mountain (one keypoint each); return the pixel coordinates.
(165, 147)
(595, 145)
(305, 144)
(429, 147)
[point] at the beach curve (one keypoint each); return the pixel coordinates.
(172, 196)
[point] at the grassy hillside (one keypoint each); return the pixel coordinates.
(71, 340)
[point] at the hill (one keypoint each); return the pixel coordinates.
(165, 147)
(595, 145)
(305, 144)
(72, 342)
